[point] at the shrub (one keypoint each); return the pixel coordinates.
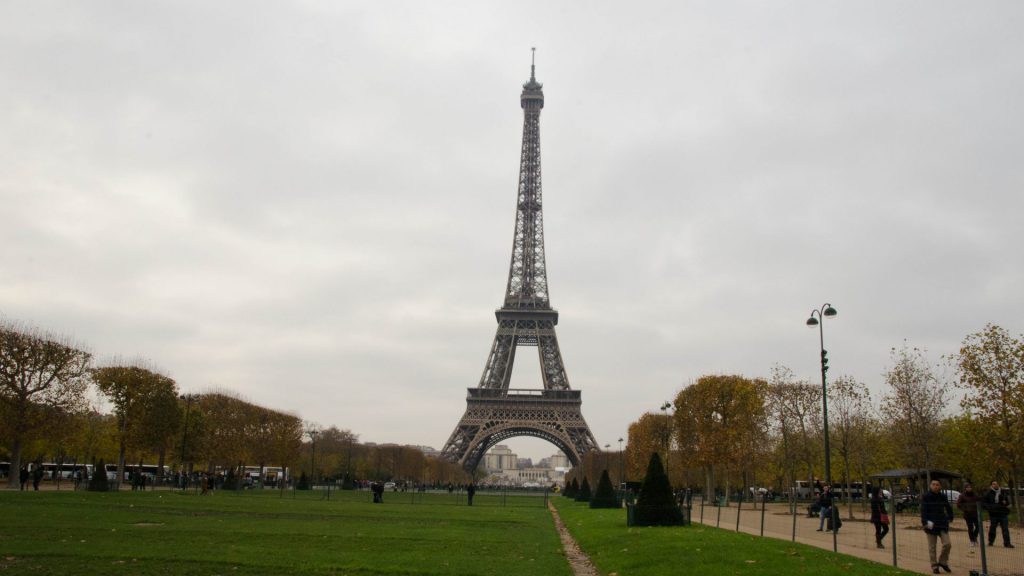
(655, 506)
(604, 497)
(584, 494)
(98, 482)
(303, 483)
(571, 489)
(346, 482)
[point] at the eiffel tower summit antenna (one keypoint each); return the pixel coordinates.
(495, 412)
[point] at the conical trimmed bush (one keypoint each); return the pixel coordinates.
(655, 506)
(604, 497)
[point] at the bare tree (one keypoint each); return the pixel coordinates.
(851, 416)
(795, 410)
(913, 406)
(38, 371)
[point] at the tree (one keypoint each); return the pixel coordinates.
(722, 419)
(851, 416)
(37, 371)
(794, 409)
(604, 496)
(991, 367)
(646, 436)
(98, 480)
(139, 395)
(913, 406)
(655, 506)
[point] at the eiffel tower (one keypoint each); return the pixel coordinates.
(495, 412)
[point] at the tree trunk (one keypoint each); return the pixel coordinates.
(709, 487)
(849, 488)
(14, 478)
(120, 464)
(160, 465)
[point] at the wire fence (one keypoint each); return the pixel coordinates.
(905, 545)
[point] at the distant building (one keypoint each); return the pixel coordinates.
(499, 459)
(504, 467)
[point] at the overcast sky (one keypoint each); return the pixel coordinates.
(312, 203)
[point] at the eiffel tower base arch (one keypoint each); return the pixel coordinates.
(495, 415)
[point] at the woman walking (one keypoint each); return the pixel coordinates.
(879, 516)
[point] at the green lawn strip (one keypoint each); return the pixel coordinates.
(649, 551)
(260, 532)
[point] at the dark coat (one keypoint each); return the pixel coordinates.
(877, 509)
(935, 508)
(968, 503)
(997, 502)
(825, 499)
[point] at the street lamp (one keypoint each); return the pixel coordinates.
(606, 450)
(184, 438)
(668, 437)
(313, 433)
(817, 318)
(622, 469)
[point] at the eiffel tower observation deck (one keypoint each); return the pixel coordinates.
(495, 412)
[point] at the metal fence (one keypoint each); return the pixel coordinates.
(905, 545)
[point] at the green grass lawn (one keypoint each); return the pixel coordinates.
(697, 549)
(81, 533)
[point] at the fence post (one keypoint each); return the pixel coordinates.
(764, 501)
(893, 523)
(702, 500)
(739, 506)
(792, 509)
(983, 538)
(718, 521)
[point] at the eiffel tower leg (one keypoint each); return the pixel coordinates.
(498, 370)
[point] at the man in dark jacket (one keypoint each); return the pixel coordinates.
(825, 508)
(936, 514)
(997, 502)
(967, 503)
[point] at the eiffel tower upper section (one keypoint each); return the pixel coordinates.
(527, 276)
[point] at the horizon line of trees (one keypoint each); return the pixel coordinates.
(45, 415)
(728, 432)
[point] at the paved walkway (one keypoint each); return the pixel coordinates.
(857, 538)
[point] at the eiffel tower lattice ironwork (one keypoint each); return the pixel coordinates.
(495, 412)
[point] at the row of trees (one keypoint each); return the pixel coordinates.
(45, 415)
(731, 431)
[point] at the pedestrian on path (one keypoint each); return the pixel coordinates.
(936, 514)
(997, 502)
(967, 504)
(879, 516)
(825, 507)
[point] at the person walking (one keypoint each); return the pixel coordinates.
(37, 476)
(967, 504)
(997, 502)
(879, 516)
(470, 491)
(936, 514)
(23, 477)
(825, 507)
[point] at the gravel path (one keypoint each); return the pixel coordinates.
(580, 562)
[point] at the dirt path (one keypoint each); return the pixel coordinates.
(578, 561)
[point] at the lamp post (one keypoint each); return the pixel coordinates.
(817, 318)
(622, 469)
(313, 433)
(606, 450)
(668, 437)
(184, 438)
